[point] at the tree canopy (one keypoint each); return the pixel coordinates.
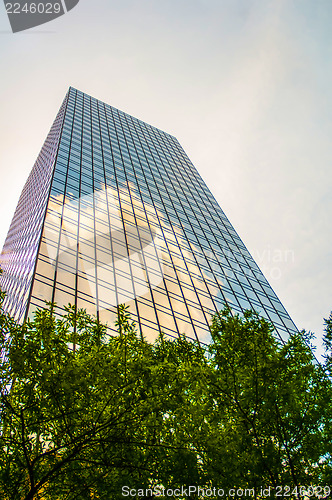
(84, 414)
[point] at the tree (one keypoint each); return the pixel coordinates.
(84, 414)
(327, 340)
(267, 407)
(81, 413)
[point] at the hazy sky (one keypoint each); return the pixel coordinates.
(245, 85)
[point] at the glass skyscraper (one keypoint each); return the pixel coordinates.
(114, 212)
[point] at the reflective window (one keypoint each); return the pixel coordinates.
(127, 219)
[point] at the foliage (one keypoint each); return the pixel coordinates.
(84, 413)
(270, 405)
(328, 344)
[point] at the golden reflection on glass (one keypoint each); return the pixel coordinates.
(115, 249)
(42, 291)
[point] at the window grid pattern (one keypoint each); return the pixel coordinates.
(18, 257)
(130, 220)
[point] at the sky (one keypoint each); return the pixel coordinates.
(244, 85)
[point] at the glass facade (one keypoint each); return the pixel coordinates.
(124, 217)
(18, 257)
